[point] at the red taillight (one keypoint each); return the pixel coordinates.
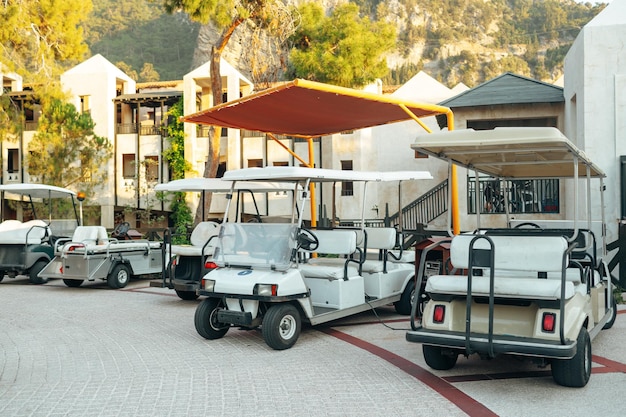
(439, 313)
(210, 265)
(549, 322)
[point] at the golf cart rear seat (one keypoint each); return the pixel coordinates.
(200, 235)
(83, 236)
(333, 242)
(379, 239)
(525, 267)
(16, 232)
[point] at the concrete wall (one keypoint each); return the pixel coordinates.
(595, 101)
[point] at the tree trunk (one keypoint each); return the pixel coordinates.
(213, 157)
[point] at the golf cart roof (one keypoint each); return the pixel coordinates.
(304, 108)
(509, 152)
(291, 174)
(219, 185)
(36, 190)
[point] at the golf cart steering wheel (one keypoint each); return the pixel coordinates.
(529, 224)
(307, 240)
(121, 229)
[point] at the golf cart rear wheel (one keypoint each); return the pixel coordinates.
(437, 358)
(119, 276)
(73, 282)
(206, 322)
(186, 295)
(575, 372)
(404, 304)
(2, 273)
(36, 269)
(281, 326)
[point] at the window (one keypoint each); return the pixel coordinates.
(84, 104)
(347, 187)
(13, 160)
(280, 163)
(152, 168)
(255, 163)
(128, 165)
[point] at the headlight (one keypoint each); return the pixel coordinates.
(266, 289)
(208, 284)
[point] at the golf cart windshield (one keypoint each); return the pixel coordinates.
(256, 245)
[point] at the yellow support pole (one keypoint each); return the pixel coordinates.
(454, 186)
(311, 164)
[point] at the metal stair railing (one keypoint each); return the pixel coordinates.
(421, 211)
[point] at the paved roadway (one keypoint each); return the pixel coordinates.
(94, 351)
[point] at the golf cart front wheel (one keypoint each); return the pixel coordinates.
(281, 326)
(206, 321)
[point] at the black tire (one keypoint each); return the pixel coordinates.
(611, 321)
(119, 276)
(575, 372)
(281, 326)
(36, 269)
(437, 359)
(2, 273)
(187, 295)
(73, 282)
(206, 322)
(404, 304)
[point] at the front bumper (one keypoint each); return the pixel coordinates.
(480, 343)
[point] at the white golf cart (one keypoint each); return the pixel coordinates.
(90, 254)
(188, 263)
(26, 247)
(539, 289)
(275, 275)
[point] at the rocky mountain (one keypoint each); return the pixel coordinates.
(454, 41)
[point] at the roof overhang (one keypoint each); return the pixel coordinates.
(302, 108)
(510, 152)
(151, 99)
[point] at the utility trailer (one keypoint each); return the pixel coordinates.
(528, 289)
(27, 247)
(188, 263)
(90, 254)
(275, 276)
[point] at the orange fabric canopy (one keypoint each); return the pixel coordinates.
(304, 108)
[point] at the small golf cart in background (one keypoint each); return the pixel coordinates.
(26, 247)
(188, 263)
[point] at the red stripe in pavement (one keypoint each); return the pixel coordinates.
(612, 366)
(448, 391)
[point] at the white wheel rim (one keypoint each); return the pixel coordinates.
(122, 276)
(287, 327)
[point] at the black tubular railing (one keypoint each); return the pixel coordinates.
(424, 209)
